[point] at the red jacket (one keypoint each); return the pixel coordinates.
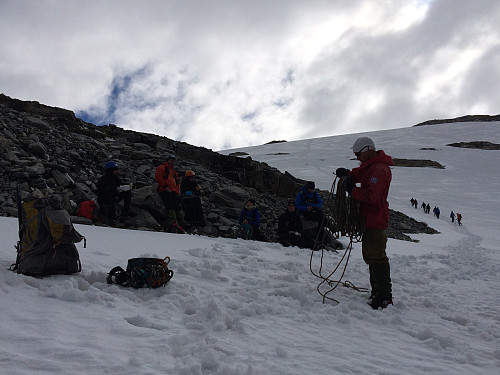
(375, 177)
(166, 177)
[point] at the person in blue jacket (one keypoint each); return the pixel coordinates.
(309, 204)
(250, 220)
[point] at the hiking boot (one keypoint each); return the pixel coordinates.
(372, 295)
(377, 303)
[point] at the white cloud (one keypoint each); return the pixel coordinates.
(229, 73)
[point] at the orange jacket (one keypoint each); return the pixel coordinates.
(167, 178)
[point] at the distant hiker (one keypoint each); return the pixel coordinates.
(110, 191)
(416, 203)
(290, 228)
(250, 221)
(190, 199)
(459, 219)
(412, 201)
(375, 177)
(436, 211)
(428, 209)
(168, 188)
(423, 206)
(309, 204)
(452, 216)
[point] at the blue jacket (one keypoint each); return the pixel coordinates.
(304, 200)
(252, 215)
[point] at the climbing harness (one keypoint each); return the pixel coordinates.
(343, 221)
(142, 273)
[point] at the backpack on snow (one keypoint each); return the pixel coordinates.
(46, 239)
(142, 273)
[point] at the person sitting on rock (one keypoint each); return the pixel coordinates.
(168, 188)
(190, 199)
(309, 204)
(250, 221)
(290, 228)
(110, 191)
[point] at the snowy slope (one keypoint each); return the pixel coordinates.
(243, 307)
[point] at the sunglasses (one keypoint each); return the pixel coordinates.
(361, 151)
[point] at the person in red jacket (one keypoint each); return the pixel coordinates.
(168, 188)
(374, 176)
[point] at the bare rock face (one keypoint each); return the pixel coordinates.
(48, 151)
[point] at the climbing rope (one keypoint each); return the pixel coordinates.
(343, 221)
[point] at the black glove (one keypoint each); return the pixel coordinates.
(349, 185)
(341, 172)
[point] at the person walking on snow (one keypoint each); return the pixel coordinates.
(459, 219)
(374, 175)
(452, 216)
(436, 211)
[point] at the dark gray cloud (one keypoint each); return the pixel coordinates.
(231, 73)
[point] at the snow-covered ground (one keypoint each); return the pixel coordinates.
(244, 307)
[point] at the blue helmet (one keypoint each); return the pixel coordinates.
(111, 164)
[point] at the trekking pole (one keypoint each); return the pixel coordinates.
(19, 209)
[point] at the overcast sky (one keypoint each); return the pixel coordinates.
(226, 74)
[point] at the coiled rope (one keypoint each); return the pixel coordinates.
(343, 221)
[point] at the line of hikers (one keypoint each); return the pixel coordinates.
(184, 207)
(436, 211)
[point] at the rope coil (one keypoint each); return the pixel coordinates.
(344, 221)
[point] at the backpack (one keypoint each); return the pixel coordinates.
(46, 239)
(86, 209)
(142, 273)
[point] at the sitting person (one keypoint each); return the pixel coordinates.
(111, 191)
(290, 227)
(190, 199)
(309, 204)
(250, 220)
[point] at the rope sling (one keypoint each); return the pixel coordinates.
(343, 221)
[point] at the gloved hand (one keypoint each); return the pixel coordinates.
(341, 172)
(349, 185)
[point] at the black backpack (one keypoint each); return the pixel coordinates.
(142, 273)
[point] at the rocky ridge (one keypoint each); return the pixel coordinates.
(48, 151)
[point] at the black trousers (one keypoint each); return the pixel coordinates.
(109, 203)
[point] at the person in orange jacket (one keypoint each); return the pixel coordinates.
(374, 175)
(168, 187)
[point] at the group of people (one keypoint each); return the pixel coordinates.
(368, 184)
(458, 216)
(426, 207)
(306, 206)
(436, 211)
